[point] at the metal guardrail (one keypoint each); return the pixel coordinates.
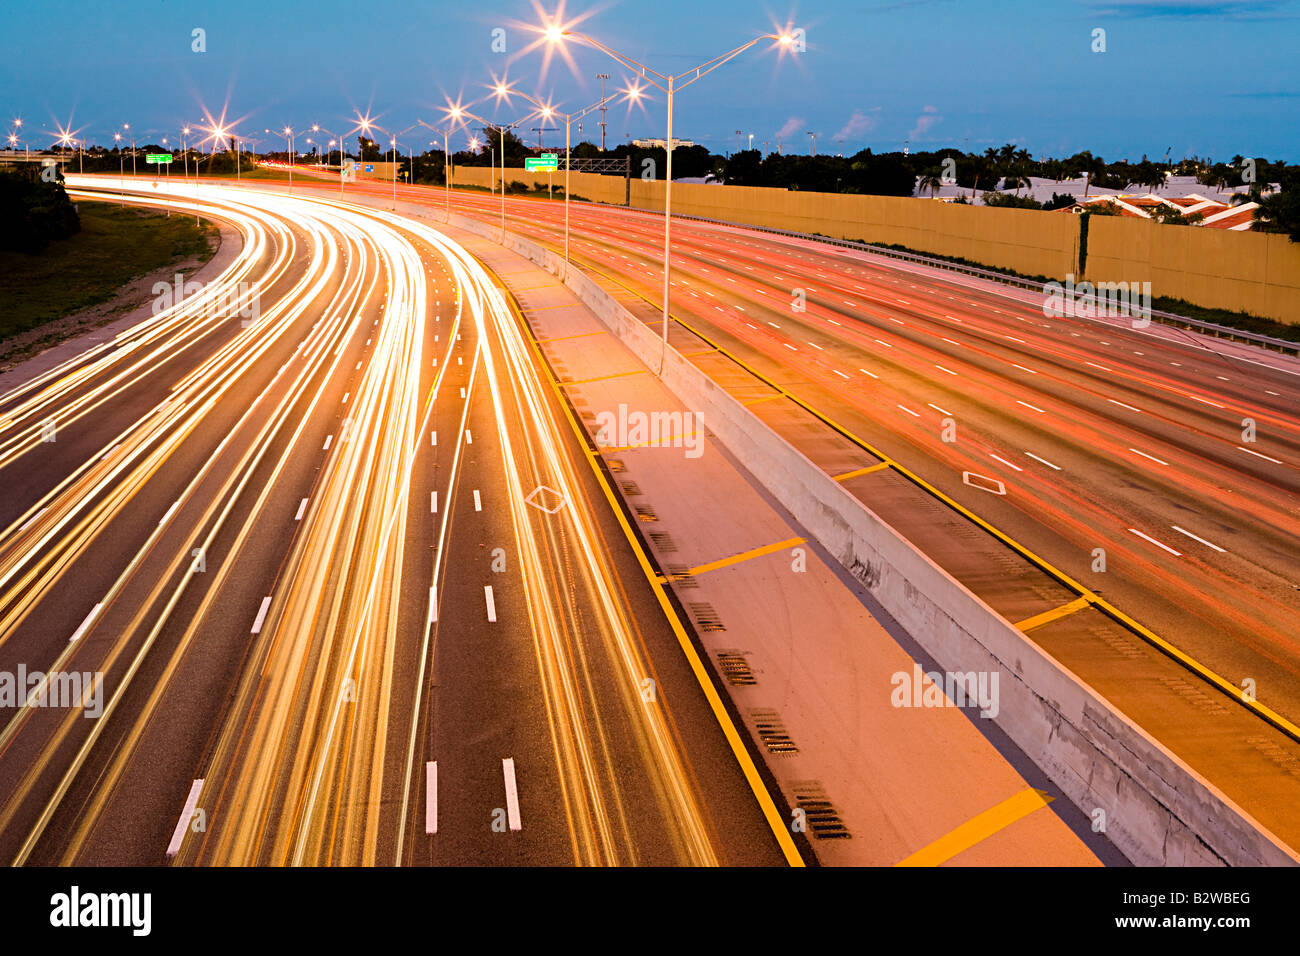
(1164, 318)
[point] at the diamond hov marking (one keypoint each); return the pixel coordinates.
(542, 496)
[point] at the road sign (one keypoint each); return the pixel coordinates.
(549, 158)
(157, 157)
(540, 165)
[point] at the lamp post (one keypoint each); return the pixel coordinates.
(317, 128)
(669, 84)
(458, 114)
(393, 159)
(548, 112)
(287, 133)
(121, 162)
(27, 146)
(127, 127)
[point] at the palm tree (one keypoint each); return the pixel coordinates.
(931, 181)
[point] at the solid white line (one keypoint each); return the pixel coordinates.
(1027, 405)
(512, 794)
(85, 625)
(478, 502)
(1155, 542)
(431, 800)
(1198, 538)
(32, 519)
(1258, 455)
(491, 603)
(1122, 405)
(301, 508)
(183, 824)
(169, 512)
(261, 614)
(1043, 460)
(1152, 457)
(1005, 462)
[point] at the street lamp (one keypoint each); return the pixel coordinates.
(457, 115)
(287, 133)
(555, 34)
(548, 111)
(127, 126)
(317, 128)
(121, 163)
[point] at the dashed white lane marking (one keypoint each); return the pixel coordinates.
(1014, 339)
(512, 794)
(1155, 542)
(1145, 455)
(909, 411)
(1194, 537)
(1043, 460)
(261, 615)
(433, 502)
(1027, 405)
(183, 824)
(431, 797)
(328, 439)
(872, 374)
(433, 436)
(491, 603)
(1258, 455)
(1005, 462)
(1197, 398)
(1023, 369)
(85, 625)
(478, 501)
(790, 347)
(1122, 405)
(346, 396)
(948, 370)
(941, 411)
(839, 373)
(433, 605)
(301, 509)
(884, 343)
(817, 347)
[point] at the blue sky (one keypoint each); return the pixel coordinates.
(1205, 77)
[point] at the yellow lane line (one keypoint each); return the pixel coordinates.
(743, 556)
(979, 828)
(647, 444)
(736, 742)
(1047, 617)
(878, 466)
(765, 398)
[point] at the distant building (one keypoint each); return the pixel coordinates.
(1214, 214)
(661, 143)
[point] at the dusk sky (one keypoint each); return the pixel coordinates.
(1204, 78)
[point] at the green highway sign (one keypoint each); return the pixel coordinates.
(540, 164)
(157, 157)
(550, 158)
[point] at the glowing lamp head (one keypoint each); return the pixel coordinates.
(786, 39)
(554, 34)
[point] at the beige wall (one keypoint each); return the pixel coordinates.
(1253, 272)
(1250, 272)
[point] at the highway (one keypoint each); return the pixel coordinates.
(1102, 436)
(349, 582)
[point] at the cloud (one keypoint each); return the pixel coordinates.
(859, 123)
(792, 126)
(928, 119)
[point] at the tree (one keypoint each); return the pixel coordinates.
(1280, 212)
(930, 180)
